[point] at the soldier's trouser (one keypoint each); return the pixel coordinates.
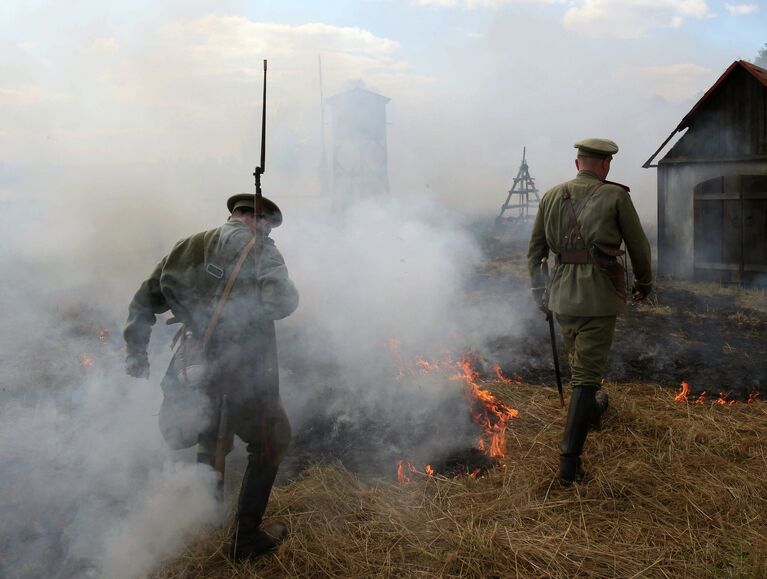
(588, 341)
(266, 430)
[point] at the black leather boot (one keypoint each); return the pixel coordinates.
(250, 540)
(601, 402)
(579, 415)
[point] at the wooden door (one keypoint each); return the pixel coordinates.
(731, 229)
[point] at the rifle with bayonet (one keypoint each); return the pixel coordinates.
(550, 319)
(224, 435)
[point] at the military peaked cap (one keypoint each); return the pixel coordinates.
(596, 147)
(248, 200)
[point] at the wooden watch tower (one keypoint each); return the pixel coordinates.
(522, 201)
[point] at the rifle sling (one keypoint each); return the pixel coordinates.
(221, 301)
(214, 319)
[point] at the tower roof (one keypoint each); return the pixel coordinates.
(357, 95)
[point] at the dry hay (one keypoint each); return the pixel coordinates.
(675, 490)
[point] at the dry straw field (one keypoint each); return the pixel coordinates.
(675, 489)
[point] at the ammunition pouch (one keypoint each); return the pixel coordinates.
(605, 258)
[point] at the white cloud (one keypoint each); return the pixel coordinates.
(674, 82)
(233, 47)
(742, 9)
(234, 36)
(626, 19)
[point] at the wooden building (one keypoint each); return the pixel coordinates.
(712, 184)
(360, 157)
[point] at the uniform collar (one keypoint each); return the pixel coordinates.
(587, 175)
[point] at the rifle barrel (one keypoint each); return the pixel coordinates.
(261, 169)
(263, 126)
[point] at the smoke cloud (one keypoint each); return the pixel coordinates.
(88, 478)
(88, 487)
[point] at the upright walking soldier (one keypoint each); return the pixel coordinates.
(583, 222)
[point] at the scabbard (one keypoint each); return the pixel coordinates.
(554, 353)
(222, 441)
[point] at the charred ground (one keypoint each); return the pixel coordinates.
(709, 335)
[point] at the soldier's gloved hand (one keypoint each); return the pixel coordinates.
(137, 365)
(539, 297)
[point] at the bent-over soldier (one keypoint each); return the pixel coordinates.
(583, 222)
(226, 286)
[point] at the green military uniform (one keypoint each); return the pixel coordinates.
(241, 354)
(586, 291)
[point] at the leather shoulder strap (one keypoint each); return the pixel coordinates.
(575, 226)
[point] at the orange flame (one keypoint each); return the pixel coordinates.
(684, 391)
(516, 379)
(487, 411)
(426, 366)
(722, 400)
(404, 471)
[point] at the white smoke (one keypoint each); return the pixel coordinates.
(89, 488)
(87, 477)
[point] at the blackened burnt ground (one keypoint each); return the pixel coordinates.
(711, 336)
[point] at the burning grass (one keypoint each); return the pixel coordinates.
(675, 489)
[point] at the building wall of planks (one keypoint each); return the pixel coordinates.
(712, 189)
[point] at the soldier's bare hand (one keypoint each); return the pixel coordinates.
(546, 311)
(137, 366)
(637, 294)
